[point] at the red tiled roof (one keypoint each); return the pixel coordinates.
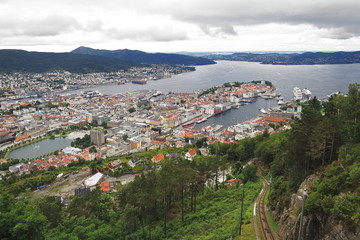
(158, 158)
(105, 186)
(272, 119)
(192, 152)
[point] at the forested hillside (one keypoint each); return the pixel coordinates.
(39, 62)
(325, 142)
(170, 201)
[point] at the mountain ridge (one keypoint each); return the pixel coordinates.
(13, 60)
(145, 57)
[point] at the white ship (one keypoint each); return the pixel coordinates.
(306, 93)
(299, 94)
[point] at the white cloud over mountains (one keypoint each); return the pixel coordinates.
(178, 25)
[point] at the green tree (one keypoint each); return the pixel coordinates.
(250, 172)
(92, 149)
(125, 137)
(51, 208)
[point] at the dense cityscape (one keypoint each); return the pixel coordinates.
(137, 121)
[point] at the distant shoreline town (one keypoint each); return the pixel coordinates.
(17, 86)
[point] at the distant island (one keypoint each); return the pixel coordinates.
(87, 60)
(307, 58)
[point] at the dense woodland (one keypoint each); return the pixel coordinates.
(175, 201)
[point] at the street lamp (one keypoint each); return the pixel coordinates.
(303, 198)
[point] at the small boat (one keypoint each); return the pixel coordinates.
(142, 82)
(188, 125)
(262, 110)
(201, 120)
(90, 94)
(280, 102)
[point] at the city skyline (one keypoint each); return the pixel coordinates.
(174, 26)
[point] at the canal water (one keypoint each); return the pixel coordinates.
(40, 148)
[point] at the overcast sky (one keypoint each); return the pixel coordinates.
(181, 25)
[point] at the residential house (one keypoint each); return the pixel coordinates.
(105, 187)
(234, 182)
(115, 165)
(134, 161)
(190, 154)
(158, 158)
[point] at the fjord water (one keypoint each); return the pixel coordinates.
(321, 80)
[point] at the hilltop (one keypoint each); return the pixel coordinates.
(38, 62)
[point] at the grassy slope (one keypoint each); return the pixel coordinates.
(218, 215)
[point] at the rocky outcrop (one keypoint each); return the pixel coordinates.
(314, 226)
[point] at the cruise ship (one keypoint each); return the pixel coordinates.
(299, 94)
(306, 93)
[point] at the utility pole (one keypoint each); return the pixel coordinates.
(269, 188)
(302, 212)
(242, 205)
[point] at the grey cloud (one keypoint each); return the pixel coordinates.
(51, 25)
(228, 30)
(158, 34)
(222, 31)
(95, 25)
(337, 33)
(213, 13)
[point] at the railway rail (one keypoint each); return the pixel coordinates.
(267, 232)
